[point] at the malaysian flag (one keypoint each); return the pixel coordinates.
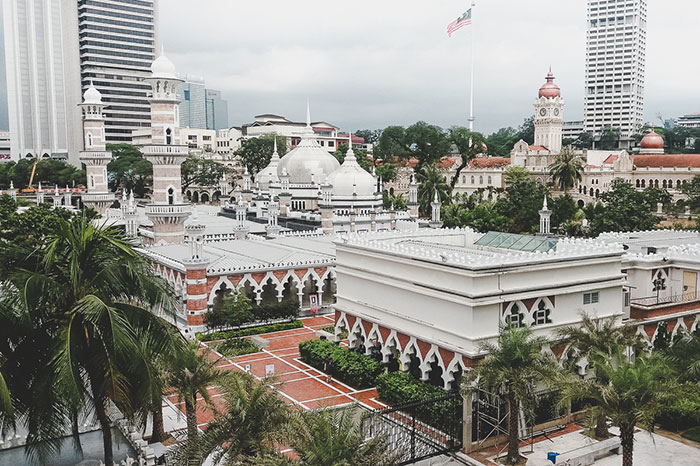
(464, 20)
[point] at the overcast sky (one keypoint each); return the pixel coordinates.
(369, 64)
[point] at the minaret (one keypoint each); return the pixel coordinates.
(413, 198)
(285, 195)
(57, 198)
(241, 230)
(435, 221)
(224, 189)
(13, 191)
(545, 215)
(39, 195)
(326, 208)
(167, 209)
(272, 228)
(247, 191)
(196, 275)
(130, 215)
(95, 156)
(549, 116)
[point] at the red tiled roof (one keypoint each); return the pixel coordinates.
(667, 160)
(611, 159)
(489, 162)
(447, 162)
(537, 148)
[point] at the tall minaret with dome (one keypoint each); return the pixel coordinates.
(549, 116)
(95, 156)
(167, 211)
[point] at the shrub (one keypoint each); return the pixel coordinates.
(288, 309)
(355, 369)
(236, 309)
(400, 388)
(682, 409)
(244, 332)
(237, 347)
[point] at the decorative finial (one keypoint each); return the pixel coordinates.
(39, 189)
(12, 185)
(274, 150)
(544, 206)
(308, 114)
(436, 200)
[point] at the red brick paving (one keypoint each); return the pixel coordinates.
(298, 383)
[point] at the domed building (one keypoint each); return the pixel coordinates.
(652, 143)
(309, 189)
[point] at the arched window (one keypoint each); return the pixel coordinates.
(678, 184)
(644, 183)
(597, 192)
(591, 192)
(656, 183)
(664, 184)
(171, 196)
(481, 180)
(168, 136)
(542, 313)
(514, 318)
(472, 179)
(489, 180)
(638, 183)
(464, 179)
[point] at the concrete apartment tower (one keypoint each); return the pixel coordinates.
(615, 61)
(95, 156)
(167, 210)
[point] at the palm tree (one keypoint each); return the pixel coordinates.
(250, 424)
(684, 356)
(191, 372)
(431, 180)
(595, 339)
(566, 168)
(513, 367)
(630, 395)
(334, 438)
(83, 298)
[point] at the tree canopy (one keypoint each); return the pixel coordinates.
(626, 209)
(49, 172)
(422, 141)
(198, 171)
(129, 169)
(255, 153)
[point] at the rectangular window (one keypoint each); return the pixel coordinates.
(186, 94)
(590, 298)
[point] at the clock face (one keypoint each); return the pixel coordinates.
(543, 112)
(556, 112)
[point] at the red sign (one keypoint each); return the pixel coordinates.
(313, 303)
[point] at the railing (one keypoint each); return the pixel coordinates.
(651, 301)
(175, 209)
(165, 150)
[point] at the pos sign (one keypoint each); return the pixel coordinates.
(313, 303)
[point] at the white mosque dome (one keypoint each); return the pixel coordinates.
(351, 179)
(308, 162)
(162, 67)
(92, 96)
(268, 175)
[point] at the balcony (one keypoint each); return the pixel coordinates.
(164, 149)
(171, 210)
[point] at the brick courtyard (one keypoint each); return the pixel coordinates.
(298, 383)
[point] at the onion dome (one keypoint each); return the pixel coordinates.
(269, 175)
(162, 67)
(549, 89)
(308, 162)
(92, 96)
(652, 140)
(351, 179)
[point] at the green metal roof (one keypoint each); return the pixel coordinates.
(496, 239)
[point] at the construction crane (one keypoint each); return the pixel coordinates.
(29, 188)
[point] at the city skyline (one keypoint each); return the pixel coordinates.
(368, 69)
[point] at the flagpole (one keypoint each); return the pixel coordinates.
(471, 80)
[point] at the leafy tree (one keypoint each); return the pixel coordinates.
(691, 190)
(129, 169)
(424, 142)
(360, 155)
(624, 209)
(201, 172)
(566, 169)
(502, 141)
(431, 180)
(629, 393)
(513, 175)
(386, 171)
(334, 438)
(564, 209)
(190, 373)
(235, 310)
(584, 141)
(596, 340)
(248, 426)
(76, 307)
(255, 153)
(482, 217)
(514, 366)
(521, 204)
(526, 131)
(684, 356)
(609, 138)
(49, 172)
(371, 136)
(397, 201)
(469, 144)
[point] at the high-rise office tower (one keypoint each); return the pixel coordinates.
(217, 110)
(118, 43)
(615, 51)
(43, 78)
(192, 102)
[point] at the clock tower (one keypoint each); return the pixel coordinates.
(549, 116)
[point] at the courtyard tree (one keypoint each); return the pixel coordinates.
(596, 340)
(469, 144)
(360, 155)
(514, 174)
(514, 366)
(129, 169)
(566, 169)
(201, 172)
(624, 208)
(521, 204)
(371, 136)
(501, 142)
(190, 373)
(629, 393)
(609, 138)
(431, 181)
(76, 306)
(422, 141)
(255, 153)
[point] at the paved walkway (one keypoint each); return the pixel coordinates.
(297, 382)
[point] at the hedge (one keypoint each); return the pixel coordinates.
(682, 409)
(237, 347)
(355, 369)
(244, 332)
(400, 388)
